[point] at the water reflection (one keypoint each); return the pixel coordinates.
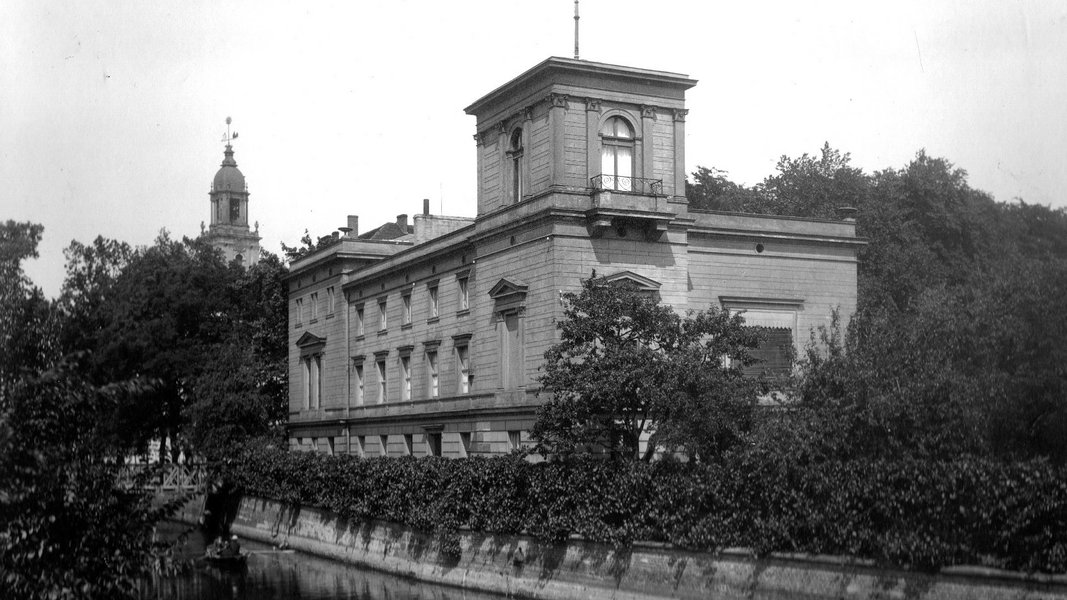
(273, 574)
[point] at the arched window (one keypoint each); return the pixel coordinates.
(617, 154)
(515, 156)
(235, 210)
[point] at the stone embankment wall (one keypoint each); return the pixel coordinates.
(523, 567)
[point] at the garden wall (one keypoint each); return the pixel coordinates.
(522, 566)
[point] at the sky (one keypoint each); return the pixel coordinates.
(112, 112)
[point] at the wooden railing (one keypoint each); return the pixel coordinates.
(167, 477)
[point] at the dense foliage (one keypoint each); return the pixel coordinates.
(626, 364)
(211, 338)
(922, 514)
(958, 342)
(67, 528)
(141, 343)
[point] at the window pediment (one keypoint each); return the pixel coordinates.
(310, 344)
(309, 340)
(508, 288)
(641, 282)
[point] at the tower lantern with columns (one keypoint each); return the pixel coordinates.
(229, 229)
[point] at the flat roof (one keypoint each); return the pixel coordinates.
(583, 67)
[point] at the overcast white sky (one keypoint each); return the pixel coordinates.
(111, 113)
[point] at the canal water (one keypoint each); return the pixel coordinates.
(279, 575)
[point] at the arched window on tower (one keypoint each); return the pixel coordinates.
(515, 154)
(235, 210)
(617, 154)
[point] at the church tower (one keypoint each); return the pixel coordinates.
(229, 230)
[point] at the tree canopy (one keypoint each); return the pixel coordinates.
(957, 343)
(626, 365)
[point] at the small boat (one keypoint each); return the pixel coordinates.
(234, 561)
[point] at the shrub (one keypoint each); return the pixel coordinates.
(918, 514)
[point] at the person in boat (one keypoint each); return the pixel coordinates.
(231, 548)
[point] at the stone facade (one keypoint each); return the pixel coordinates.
(580, 169)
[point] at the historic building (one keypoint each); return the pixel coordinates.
(229, 229)
(425, 338)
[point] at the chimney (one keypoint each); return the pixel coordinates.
(425, 206)
(402, 221)
(353, 224)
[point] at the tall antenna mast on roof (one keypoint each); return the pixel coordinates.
(576, 29)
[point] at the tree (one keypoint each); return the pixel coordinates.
(712, 190)
(92, 270)
(68, 529)
(625, 365)
(808, 186)
(811, 186)
(243, 392)
(165, 317)
(28, 324)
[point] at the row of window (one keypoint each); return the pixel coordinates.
(313, 307)
(616, 158)
(378, 389)
(426, 444)
(432, 302)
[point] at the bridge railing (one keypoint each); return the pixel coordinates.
(165, 477)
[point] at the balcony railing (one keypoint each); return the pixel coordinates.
(633, 185)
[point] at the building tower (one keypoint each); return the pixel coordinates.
(229, 230)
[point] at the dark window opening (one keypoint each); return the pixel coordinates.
(775, 354)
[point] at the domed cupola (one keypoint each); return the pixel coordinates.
(229, 178)
(229, 229)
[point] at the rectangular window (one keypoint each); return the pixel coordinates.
(357, 385)
(408, 444)
(432, 293)
(299, 311)
(406, 300)
(306, 369)
(405, 378)
(361, 445)
(775, 354)
(359, 320)
(329, 445)
(465, 443)
(381, 381)
(514, 440)
(463, 368)
(432, 374)
(511, 352)
(329, 301)
(433, 443)
(383, 322)
(317, 395)
(314, 306)
(464, 296)
(383, 445)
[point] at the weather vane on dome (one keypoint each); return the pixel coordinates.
(229, 138)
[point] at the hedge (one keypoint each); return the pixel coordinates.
(914, 514)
